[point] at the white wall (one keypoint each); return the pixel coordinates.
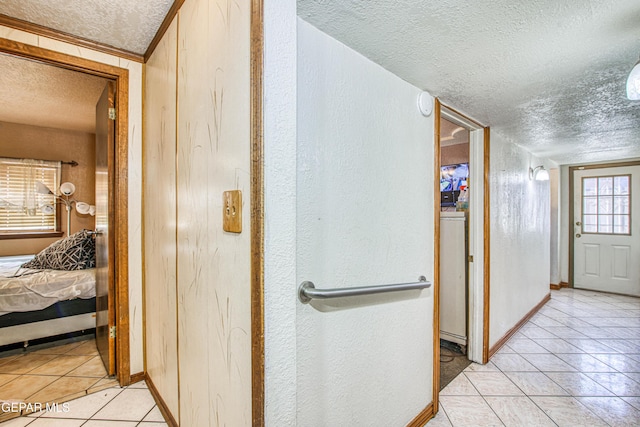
(520, 244)
(364, 216)
(279, 117)
(134, 201)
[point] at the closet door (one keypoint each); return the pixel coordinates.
(105, 250)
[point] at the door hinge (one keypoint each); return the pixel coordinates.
(470, 258)
(112, 332)
(112, 113)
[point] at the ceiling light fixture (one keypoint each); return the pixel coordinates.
(539, 173)
(633, 83)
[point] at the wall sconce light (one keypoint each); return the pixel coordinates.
(633, 83)
(66, 190)
(539, 173)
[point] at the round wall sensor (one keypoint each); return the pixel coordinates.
(425, 103)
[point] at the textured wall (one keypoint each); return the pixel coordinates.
(520, 243)
(24, 141)
(280, 300)
(160, 219)
(365, 216)
(214, 301)
(134, 173)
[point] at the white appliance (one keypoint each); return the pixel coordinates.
(453, 277)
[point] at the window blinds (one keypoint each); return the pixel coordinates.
(21, 206)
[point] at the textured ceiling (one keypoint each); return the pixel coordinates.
(42, 95)
(545, 74)
(125, 24)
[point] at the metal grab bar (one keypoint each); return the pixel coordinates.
(307, 290)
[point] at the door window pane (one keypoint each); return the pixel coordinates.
(606, 202)
(605, 186)
(590, 186)
(621, 185)
(605, 223)
(590, 224)
(590, 205)
(621, 204)
(605, 205)
(621, 224)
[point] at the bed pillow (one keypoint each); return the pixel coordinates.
(76, 252)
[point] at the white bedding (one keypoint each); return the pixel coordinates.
(38, 289)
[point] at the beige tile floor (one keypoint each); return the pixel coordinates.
(52, 374)
(112, 407)
(575, 363)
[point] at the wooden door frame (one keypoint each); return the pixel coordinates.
(436, 258)
(257, 214)
(119, 192)
(572, 170)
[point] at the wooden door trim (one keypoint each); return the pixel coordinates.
(572, 170)
(436, 256)
(120, 220)
(257, 214)
(487, 247)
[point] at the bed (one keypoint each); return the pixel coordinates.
(43, 302)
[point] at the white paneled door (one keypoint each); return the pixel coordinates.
(606, 229)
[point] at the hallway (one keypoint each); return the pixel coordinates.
(575, 363)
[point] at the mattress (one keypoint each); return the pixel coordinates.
(29, 289)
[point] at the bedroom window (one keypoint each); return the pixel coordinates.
(22, 208)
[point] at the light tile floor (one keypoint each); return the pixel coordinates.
(112, 407)
(575, 363)
(51, 373)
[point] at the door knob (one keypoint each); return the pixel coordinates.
(578, 235)
(578, 223)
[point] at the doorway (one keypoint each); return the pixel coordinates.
(454, 216)
(462, 241)
(117, 192)
(604, 227)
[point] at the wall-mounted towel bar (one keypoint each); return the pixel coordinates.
(307, 290)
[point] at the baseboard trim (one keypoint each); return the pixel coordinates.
(161, 403)
(421, 419)
(518, 325)
(558, 286)
(136, 378)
